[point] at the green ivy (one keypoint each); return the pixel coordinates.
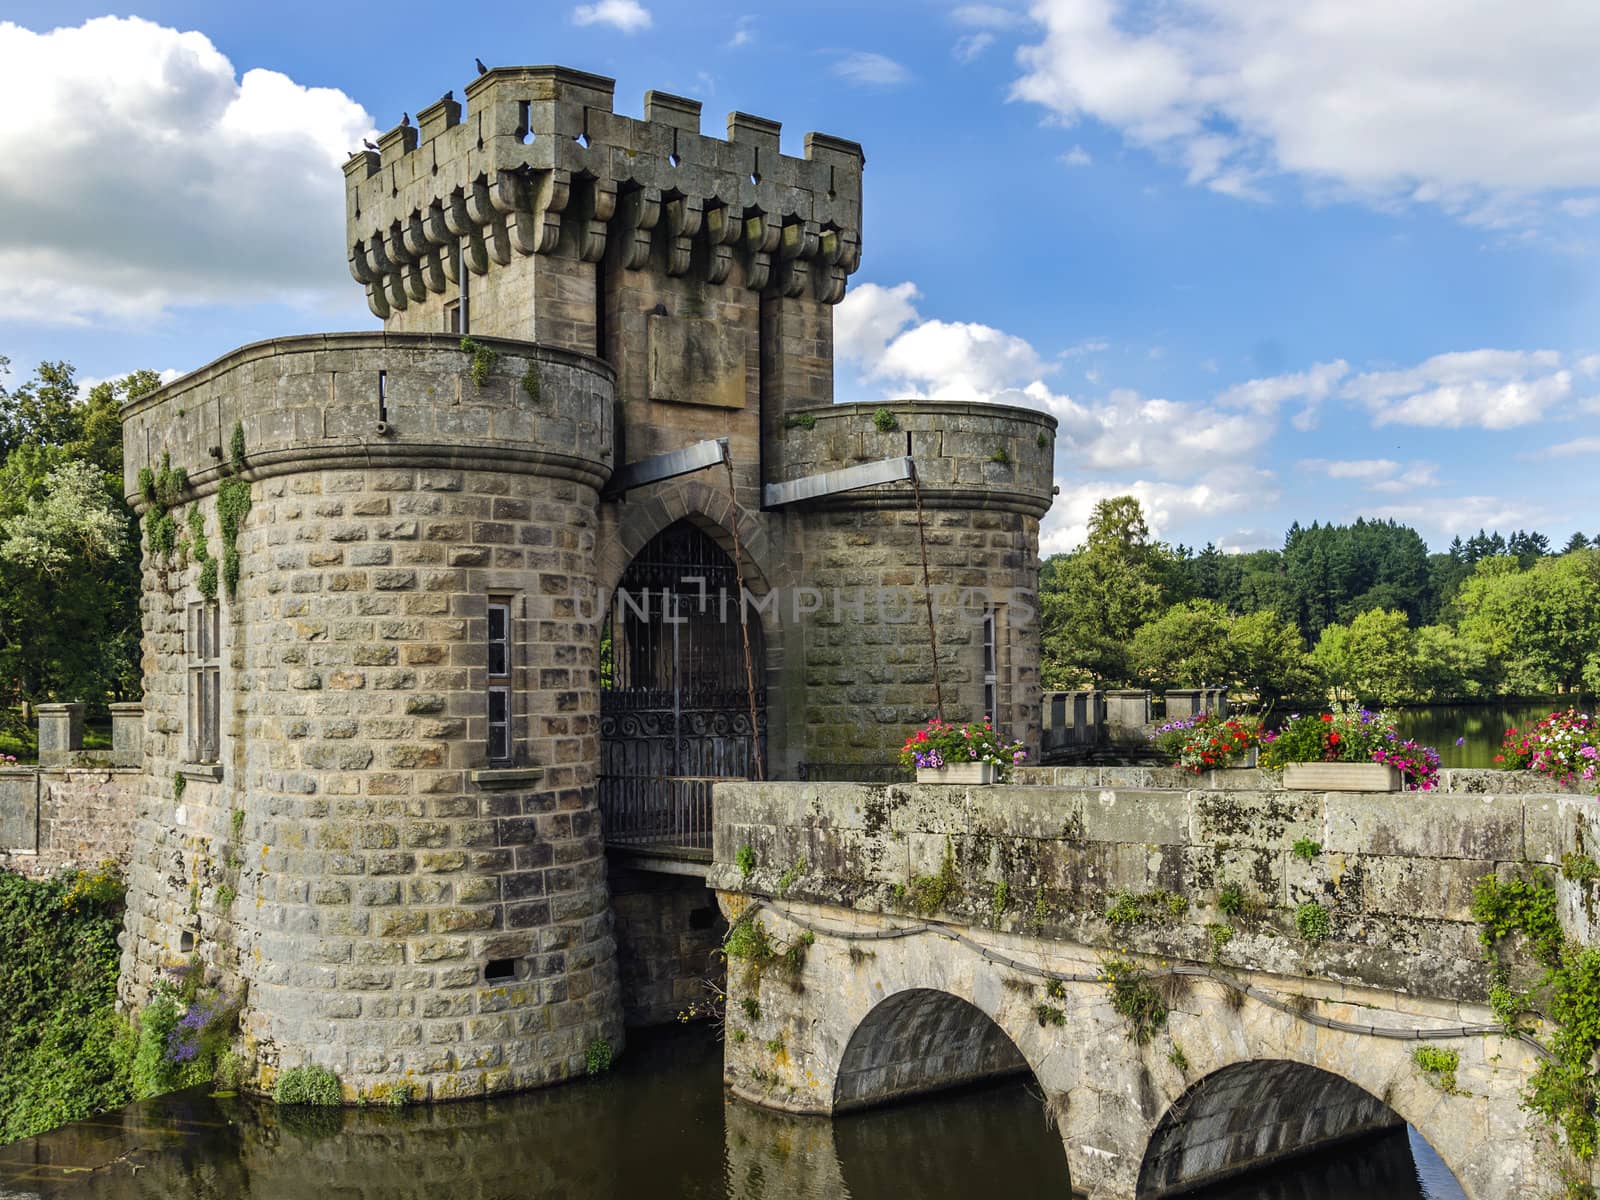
(530, 382)
(1146, 908)
(786, 880)
(1049, 1014)
(598, 1056)
(1041, 440)
(180, 781)
(64, 1053)
(1440, 1065)
(1579, 868)
(162, 491)
(933, 893)
(1565, 1087)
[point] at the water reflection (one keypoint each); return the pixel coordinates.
(658, 1127)
(1480, 726)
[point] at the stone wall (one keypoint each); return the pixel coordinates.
(669, 931)
(77, 817)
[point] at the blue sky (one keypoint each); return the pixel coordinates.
(1265, 262)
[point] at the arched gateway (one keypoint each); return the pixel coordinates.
(680, 707)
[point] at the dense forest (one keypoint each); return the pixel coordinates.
(1360, 611)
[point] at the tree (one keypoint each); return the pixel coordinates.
(1451, 666)
(1100, 595)
(1269, 658)
(64, 627)
(69, 544)
(1371, 659)
(1187, 646)
(1576, 542)
(1543, 623)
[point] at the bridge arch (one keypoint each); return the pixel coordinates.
(918, 1041)
(1253, 1114)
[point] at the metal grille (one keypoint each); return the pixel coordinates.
(674, 711)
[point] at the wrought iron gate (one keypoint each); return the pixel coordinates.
(674, 706)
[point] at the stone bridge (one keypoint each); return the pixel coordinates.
(1193, 996)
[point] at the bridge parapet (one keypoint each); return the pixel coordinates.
(1158, 871)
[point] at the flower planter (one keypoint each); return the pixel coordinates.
(966, 772)
(1341, 777)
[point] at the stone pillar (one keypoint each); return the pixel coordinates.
(1128, 706)
(1186, 702)
(127, 734)
(60, 733)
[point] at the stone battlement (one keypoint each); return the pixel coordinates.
(361, 399)
(538, 164)
(968, 455)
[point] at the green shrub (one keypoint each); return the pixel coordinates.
(1306, 848)
(1439, 1064)
(1135, 998)
(307, 1085)
(885, 421)
(1313, 921)
(1232, 899)
(800, 421)
(745, 860)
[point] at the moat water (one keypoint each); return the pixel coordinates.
(658, 1127)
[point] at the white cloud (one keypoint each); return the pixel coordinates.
(1378, 474)
(1363, 468)
(1166, 506)
(629, 16)
(1310, 388)
(1488, 389)
(744, 33)
(1573, 448)
(880, 329)
(988, 16)
(867, 69)
(1077, 157)
(1474, 107)
(142, 172)
(969, 47)
(88, 384)
(1445, 517)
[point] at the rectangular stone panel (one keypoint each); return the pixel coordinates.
(19, 811)
(694, 360)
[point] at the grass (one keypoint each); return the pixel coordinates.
(24, 746)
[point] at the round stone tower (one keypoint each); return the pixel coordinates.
(369, 797)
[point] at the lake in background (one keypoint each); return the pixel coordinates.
(1482, 725)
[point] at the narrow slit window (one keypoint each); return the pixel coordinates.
(205, 681)
(452, 316)
(500, 705)
(991, 689)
